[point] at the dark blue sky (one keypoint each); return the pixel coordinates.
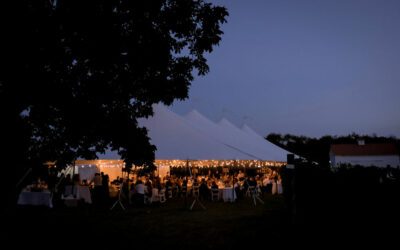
(305, 67)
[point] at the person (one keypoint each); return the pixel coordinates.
(237, 188)
(68, 180)
(217, 175)
(184, 187)
(98, 189)
(76, 180)
(105, 179)
(203, 189)
(268, 186)
(214, 185)
(214, 191)
(168, 187)
(52, 180)
(62, 183)
(139, 193)
(125, 189)
(149, 189)
(252, 182)
(275, 185)
(279, 185)
(240, 175)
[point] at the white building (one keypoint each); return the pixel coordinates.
(378, 155)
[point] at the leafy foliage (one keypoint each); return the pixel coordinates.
(78, 74)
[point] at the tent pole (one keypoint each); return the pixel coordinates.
(73, 178)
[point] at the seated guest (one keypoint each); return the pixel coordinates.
(214, 185)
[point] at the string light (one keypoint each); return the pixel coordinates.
(190, 163)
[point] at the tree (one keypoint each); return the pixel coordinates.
(78, 74)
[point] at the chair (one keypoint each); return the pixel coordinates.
(169, 192)
(250, 191)
(161, 196)
(183, 191)
(196, 191)
(155, 195)
(214, 194)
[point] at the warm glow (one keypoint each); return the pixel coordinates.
(190, 163)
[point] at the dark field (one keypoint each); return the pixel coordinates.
(169, 225)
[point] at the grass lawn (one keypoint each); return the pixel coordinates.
(170, 225)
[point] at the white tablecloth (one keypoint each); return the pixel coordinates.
(79, 192)
(228, 194)
(43, 198)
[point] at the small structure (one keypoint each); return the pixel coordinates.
(378, 155)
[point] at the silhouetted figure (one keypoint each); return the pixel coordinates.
(97, 189)
(204, 191)
(139, 193)
(105, 180)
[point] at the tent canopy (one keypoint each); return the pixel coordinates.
(176, 138)
(194, 140)
(195, 137)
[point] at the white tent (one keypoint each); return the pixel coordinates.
(263, 149)
(176, 138)
(248, 130)
(196, 138)
(223, 136)
(274, 151)
(245, 140)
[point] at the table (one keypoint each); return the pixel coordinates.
(79, 192)
(228, 194)
(43, 198)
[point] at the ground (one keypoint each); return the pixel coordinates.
(320, 221)
(170, 225)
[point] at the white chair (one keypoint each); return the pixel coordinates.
(169, 192)
(161, 196)
(155, 196)
(214, 194)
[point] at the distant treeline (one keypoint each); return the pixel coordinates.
(317, 149)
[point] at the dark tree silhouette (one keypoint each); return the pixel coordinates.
(77, 74)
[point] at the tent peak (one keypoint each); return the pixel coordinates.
(194, 113)
(247, 129)
(226, 122)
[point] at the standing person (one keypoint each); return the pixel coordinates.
(203, 190)
(275, 185)
(148, 190)
(97, 188)
(52, 180)
(265, 181)
(268, 186)
(105, 186)
(184, 187)
(279, 184)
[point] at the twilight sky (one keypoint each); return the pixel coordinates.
(305, 67)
